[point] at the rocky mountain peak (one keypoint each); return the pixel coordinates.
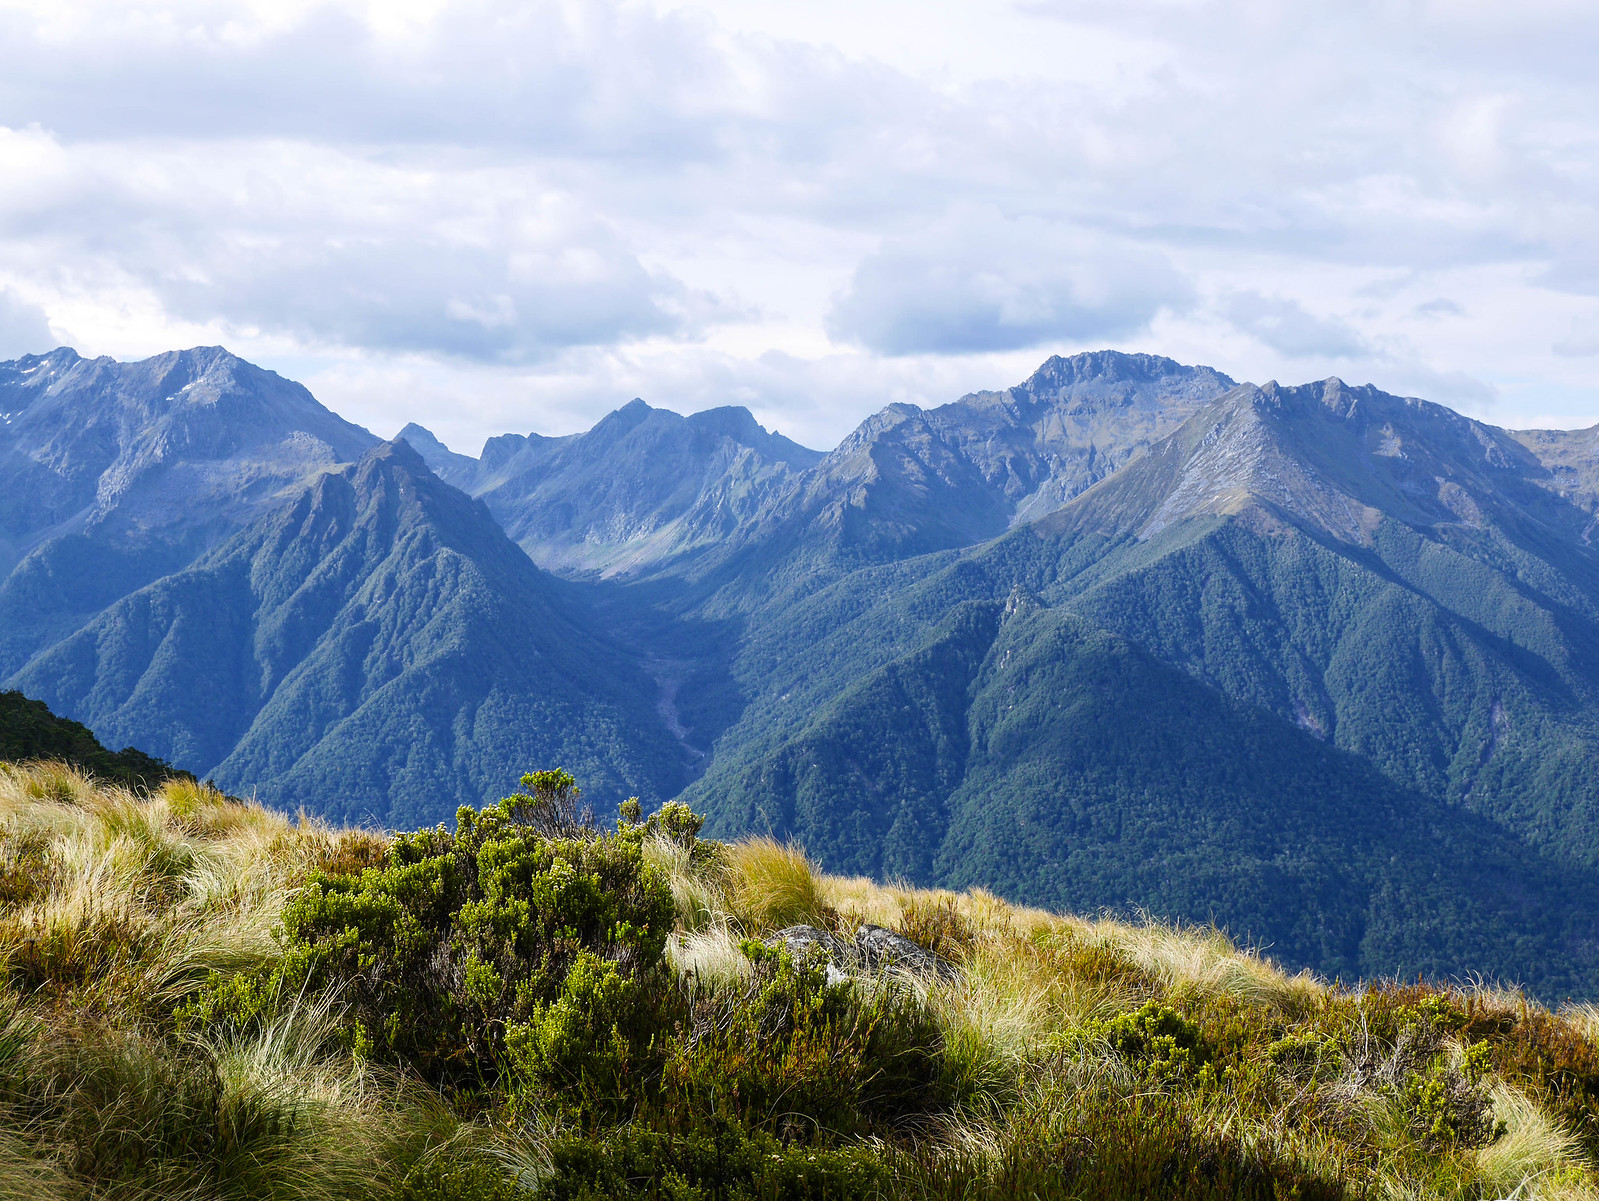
(21, 380)
(1103, 365)
(456, 469)
(1334, 458)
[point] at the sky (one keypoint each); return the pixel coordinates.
(495, 215)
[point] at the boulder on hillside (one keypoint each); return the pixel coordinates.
(882, 948)
(874, 949)
(804, 941)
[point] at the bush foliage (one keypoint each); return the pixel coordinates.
(204, 1000)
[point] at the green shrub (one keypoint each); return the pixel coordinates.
(1447, 1109)
(231, 1004)
(1161, 1042)
(717, 1160)
(1305, 1056)
(457, 1176)
(460, 936)
(597, 1041)
(794, 1053)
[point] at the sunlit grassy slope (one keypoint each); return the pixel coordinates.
(176, 1023)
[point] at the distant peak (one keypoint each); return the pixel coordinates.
(398, 452)
(420, 436)
(732, 421)
(201, 359)
(724, 414)
(61, 354)
(738, 425)
(631, 415)
(36, 368)
(1113, 365)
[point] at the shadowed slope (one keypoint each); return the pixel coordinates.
(376, 648)
(112, 474)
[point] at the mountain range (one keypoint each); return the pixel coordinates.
(1317, 663)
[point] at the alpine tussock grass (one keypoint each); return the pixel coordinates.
(144, 1052)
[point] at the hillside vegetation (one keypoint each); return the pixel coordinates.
(204, 999)
(28, 730)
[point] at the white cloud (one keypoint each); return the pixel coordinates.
(976, 281)
(555, 205)
(1284, 325)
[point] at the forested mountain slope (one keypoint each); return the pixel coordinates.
(1317, 663)
(113, 474)
(377, 649)
(1400, 584)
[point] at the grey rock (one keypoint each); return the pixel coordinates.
(881, 949)
(806, 941)
(875, 949)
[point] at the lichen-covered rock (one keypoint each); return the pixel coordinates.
(874, 949)
(879, 949)
(808, 941)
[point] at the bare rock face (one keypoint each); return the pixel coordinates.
(874, 949)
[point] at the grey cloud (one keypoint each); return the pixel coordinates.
(475, 303)
(485, 73)
(977, 282)
(338, 252)
(588, 80)
(1285, 326)
(686, 128)
(23, 328)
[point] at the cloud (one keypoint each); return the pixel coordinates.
(977, 282)
(23, 327)
(1581, 341)
(339, 251)
(915, 196)
(590, 78)
(519, 300)
(1285, 326)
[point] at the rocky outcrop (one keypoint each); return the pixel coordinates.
(882, 950)
(874, 949)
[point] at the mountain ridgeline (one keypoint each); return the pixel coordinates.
(1317, 663)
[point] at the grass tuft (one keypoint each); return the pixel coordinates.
(773, 884)
(145, 1051)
